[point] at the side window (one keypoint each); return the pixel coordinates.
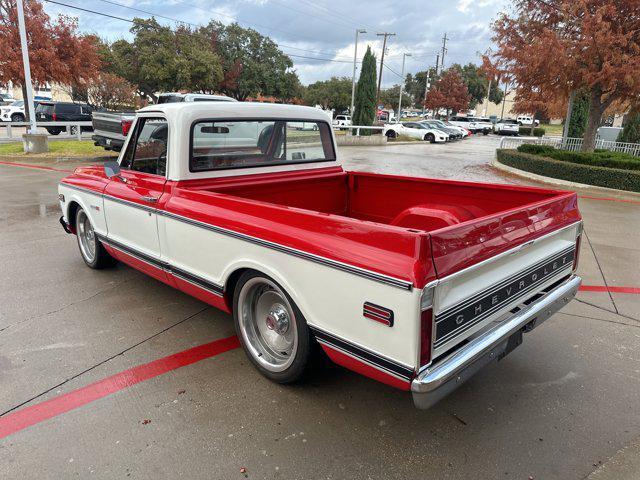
(147, 149)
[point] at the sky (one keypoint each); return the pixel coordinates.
(322, 29)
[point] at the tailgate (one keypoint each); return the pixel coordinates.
(489, 266)
(109, 124)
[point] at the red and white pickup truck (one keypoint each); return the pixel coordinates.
(414, 282)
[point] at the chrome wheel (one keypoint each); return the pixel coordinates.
(86, 237)
(267, 324)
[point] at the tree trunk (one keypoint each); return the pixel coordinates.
(533, 125)
(596, 109)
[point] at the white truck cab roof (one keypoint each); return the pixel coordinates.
(182, 116)
(173, 97)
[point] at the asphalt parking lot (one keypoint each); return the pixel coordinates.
(110, 374)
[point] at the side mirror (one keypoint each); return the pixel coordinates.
(112, 169)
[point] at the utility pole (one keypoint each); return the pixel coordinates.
(426, 88)
(437, 62)
(353, 80)
(444, 49)
(404, 56)
(384, 48)
(27, 68)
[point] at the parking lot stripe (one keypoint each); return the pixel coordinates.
(37, 167)
(605, 288)
(32, 415)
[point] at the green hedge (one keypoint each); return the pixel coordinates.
(574, 172)
(537, 131)
(536, 149)
(602, 158)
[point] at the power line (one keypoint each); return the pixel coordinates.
(343, 25)
(337, 59)
(90, 11)
(392, 70)
(320, 59)
(357, 24)
(148, 12)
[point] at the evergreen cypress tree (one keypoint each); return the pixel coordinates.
(365, 102)
(579, 114)
(631, 131)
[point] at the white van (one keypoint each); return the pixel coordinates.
(527, 120)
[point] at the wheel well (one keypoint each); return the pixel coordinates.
(71, 214)
(232, 282)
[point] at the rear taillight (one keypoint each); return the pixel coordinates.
(54, 117)
(576, 255)
(126, 126)
(426, 324)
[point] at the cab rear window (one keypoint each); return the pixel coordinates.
(223, 144)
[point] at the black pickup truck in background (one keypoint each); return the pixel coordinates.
(110, 128)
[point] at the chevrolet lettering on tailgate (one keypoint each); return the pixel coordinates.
(465, 315)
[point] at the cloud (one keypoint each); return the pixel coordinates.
(463, 5)
(325, 29)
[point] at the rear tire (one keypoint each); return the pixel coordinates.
(92, 251)
(272, 330)
(391, 134)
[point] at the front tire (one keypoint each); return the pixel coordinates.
(271, 328)
(17, 117)
(430, 137)
(92, 251)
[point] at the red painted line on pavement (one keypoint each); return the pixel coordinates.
(604, 288)
(37, 167)
(28, 416)
(610, 199)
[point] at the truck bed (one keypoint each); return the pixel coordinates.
(456, 223)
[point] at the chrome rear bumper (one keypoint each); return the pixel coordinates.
(437, 381)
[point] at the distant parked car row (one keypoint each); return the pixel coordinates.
(49, 111)
(433, 131)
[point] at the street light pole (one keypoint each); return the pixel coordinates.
(353, 80)
(404, 57)
(27, 67)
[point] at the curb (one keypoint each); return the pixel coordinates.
(557, 181)
(624, 465)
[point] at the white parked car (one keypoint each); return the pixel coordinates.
(483, 125)
(465, 122)
(465, 131)
(527, 120)
(342, 121)
(14, 112)
(415, 130)
(507, 126)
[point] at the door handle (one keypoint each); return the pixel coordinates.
(149, 199)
